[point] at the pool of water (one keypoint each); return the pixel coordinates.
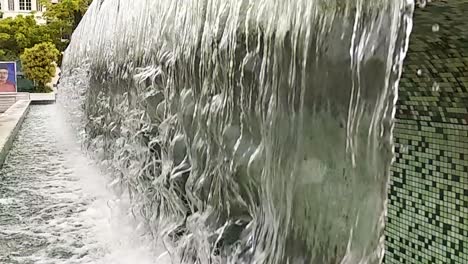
(55, 206)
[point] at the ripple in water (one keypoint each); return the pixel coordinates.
(55, 207)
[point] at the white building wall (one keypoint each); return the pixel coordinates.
(13, 13)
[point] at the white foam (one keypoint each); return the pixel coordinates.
(114, 234)
(7, 201)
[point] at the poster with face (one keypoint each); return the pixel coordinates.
(7, 77)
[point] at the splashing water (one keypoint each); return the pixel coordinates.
(435, 87)
(245, 131)
(55, 207)
(422, 3)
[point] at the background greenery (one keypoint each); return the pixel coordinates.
(22, 34)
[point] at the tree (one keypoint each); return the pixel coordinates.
(39, 64)
(65, 14)
(63, 18)
(17, 34)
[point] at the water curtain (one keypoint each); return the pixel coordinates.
(245, 131)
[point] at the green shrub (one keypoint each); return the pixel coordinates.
(39, 64)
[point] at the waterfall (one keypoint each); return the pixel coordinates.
(244, 131)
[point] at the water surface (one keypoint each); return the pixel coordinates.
(54, 204)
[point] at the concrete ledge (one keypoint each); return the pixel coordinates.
(10, 123)
(8, 99)
(42, 98)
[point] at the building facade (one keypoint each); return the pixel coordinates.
(13, 8)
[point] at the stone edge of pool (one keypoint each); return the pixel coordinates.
(10, 123)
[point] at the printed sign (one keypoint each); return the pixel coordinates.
(7, 77)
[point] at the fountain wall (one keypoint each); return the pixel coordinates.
(245, 131)
(428, 196)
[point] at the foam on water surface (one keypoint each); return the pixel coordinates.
(55, 206)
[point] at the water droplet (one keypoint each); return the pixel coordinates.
(435, 28)
(435, 87)
(422, 3)
(419, 72)
(404, 149)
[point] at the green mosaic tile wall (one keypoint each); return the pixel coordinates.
(427, 219)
